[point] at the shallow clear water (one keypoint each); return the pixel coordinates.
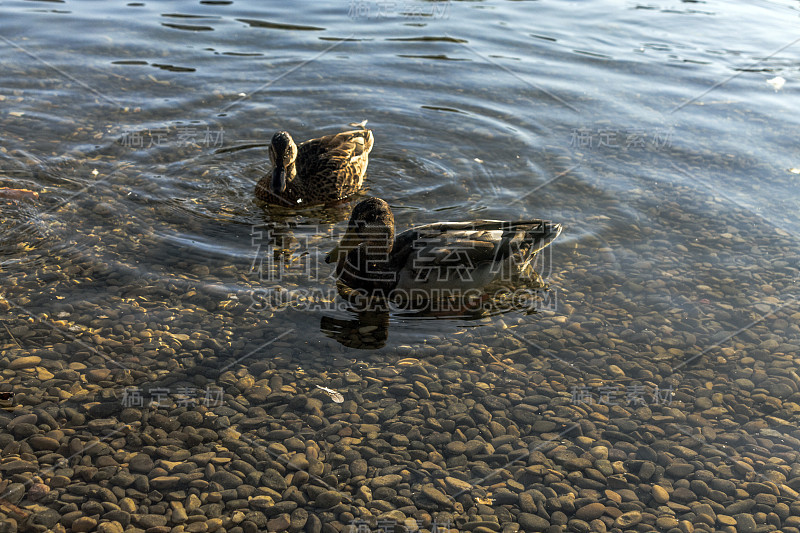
(593, 116)
(648, 129)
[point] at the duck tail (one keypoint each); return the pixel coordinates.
(524, 239)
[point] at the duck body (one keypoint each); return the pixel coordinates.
(318, 171)
(437, 260)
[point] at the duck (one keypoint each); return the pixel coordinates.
(325, 170)
(439, 260)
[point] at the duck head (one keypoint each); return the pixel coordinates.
(282, 153)
(370, 232)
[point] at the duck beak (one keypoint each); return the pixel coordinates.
(278, 180)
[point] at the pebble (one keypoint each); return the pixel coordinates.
(141, 463)
(745, 523)
(20, 363)
(328, 499)
(628, 520)
(660, 494)
(83, 524)
(388, 480)
(532, 523)
(451, 430)
(110, 527)
(591, 511)
(666, 522)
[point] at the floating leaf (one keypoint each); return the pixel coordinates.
(335, 396)
(776, 83)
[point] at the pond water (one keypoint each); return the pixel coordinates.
(660, 134)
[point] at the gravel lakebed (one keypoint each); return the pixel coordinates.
(661, 395)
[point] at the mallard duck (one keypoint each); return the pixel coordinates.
(318, 171)
(437, 259)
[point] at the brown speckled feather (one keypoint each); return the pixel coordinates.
(329, 169)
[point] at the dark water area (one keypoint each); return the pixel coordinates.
(172, 349)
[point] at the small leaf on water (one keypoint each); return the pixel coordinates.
(335, 396)
(776, 83)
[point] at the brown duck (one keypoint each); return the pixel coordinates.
(434, 259)
(318, 171)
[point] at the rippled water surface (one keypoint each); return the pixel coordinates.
(657, 132)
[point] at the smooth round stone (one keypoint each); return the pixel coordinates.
(103, 209)
(358, 468)
(17, 466)
(666, 522)
(190, 418)
(579, 526)
(683, 495)
(164, 482)
(457, 485)
(110, 527)
(29, 418)
(279, 523)
(141, 463)
(679, 470)
(227, 479)
(544, 426)
(84, 524)
(47, 518)
(23, 430)
(526, 502)
(660, 494)
(28, 361)
(616, 371)
(40, 442)
(15, 492)
(329, 498)
(725, 520)
(766, 499)
(38, 491)
(577, 463)
(532, 523)
(628, 520)
(591, 511)
(389, 480)
(456, 447)
(147, 521)
(299, 518)
(436, 496)
(723, 485)
(98, 374)
(745, 523)
(598, 526)
(599, 452)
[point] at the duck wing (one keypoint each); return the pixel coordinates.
(332, 167)
(466, 255)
